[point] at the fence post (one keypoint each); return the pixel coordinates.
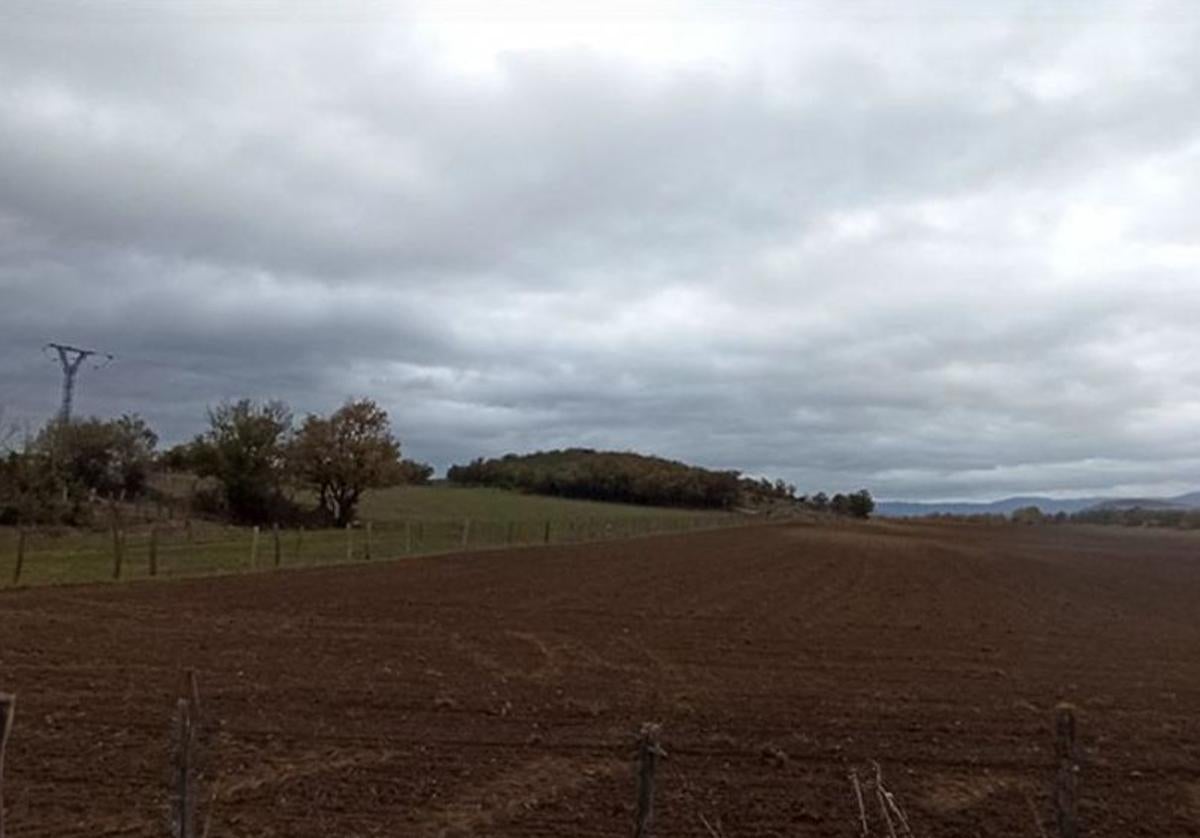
(8, 708)
(649, 751)
(278, 546)
(254, 548)
(1066, 784)
(185, 767)
(862, 809)
(367, 554)
(118, 552)
(466, 531)
(349, 543)
(183, 808)
(546, 537)
(20, 560)
(154, 551)
(407, 537)
(191, 687)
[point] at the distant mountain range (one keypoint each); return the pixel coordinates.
(1050, 506)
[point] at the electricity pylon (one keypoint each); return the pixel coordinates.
(71, 358)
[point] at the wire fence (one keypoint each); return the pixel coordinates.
(874, 810)
(174, 549)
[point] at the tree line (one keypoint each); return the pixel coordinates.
(620, 477)
(1133, 516)
(1139, 516)
(627, 477)
(260, 464)
(256, 464)
(858, 504)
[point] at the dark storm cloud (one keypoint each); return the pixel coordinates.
(937, 254)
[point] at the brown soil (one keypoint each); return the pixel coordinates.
(498, 693)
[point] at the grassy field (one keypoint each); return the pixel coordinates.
(397, 522)
(445, 501)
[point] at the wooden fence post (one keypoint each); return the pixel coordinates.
(186, 791)
(278, 546)
(191, 687)
(649, 751)
(8, 708)
(1066, 784)
(183, 804)
(154, 551)
(862, 809)
(20, 560)
(466, 531)
(118, 551)
(367, 546)
(546, 537)
(254, 548)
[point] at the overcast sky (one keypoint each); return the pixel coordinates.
(940, 253)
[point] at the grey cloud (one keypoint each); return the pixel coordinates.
(934, 253)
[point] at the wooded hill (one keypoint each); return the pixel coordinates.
(624, 477)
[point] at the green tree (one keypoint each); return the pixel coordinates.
(57, 475)
(415, 472)
(839, 504)
(861, 504)
(345, 454)
(110, 458)
(31, 493)
(133, 444)
(1028, 515)
(245, 450)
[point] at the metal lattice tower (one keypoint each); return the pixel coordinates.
(70, 358)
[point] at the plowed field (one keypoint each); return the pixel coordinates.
(497, 693)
